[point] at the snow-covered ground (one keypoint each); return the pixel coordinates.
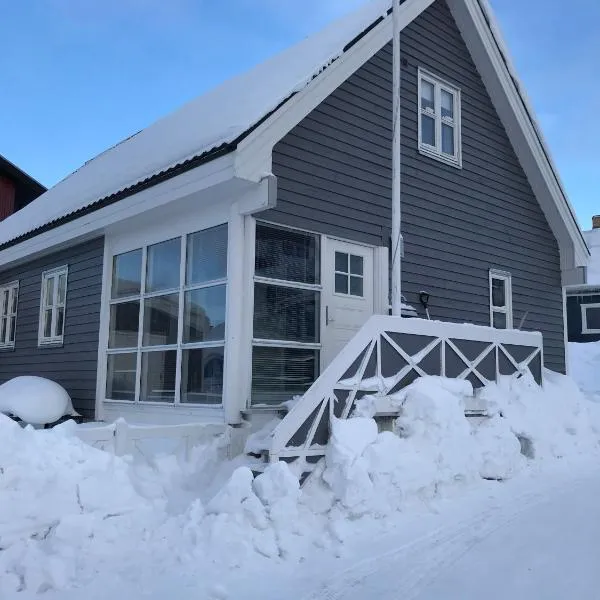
(443, 507)
(584, 360)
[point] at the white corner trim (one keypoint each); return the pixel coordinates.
(103, 332)
(565, 330)
(255, 151)
(584, 325)
(484, 25)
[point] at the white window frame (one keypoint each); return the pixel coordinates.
(507, 309)
(180, 346)
(13, 298)
(53, 340)
(584, 326)
(436, 114)
(313, 287)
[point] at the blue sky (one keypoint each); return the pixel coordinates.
(80, 75)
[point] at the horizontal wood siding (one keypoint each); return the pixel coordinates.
(74, 364)
(334, 177)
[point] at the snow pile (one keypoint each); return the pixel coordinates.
(556, 422)
(35, 400)
(584, 363)
(71, 513)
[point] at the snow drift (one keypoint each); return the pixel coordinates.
(35, 400)
(71, 513)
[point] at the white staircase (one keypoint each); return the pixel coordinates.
(387, 354)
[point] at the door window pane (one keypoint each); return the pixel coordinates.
(124, 325)
(498, 292)
(499, 320)
(204, 317)
(356, 265)
(356, 286)
(160, 320)
(447, 105)
(127, 274)
(341, 283)
(207, 255)
(341, 262)
(287, 255)
(202, 375)
(120, 376)
(427, 96)
(163, 266)
(447, 139)
(427, 130)
(593, 318)
(282, 313)
(279, 374)
(158, 376)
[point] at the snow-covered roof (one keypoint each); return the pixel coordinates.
(592, 238)
(212, 121)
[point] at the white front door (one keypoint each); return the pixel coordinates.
(347, 294)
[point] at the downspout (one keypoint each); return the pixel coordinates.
(397, 245)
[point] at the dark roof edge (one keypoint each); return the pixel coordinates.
(21, 175)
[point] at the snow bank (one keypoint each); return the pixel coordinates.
(584, 363)
(102, 515)
(35, 400)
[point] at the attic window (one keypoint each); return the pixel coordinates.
(439, 119)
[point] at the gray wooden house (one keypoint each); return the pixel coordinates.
(224, 259)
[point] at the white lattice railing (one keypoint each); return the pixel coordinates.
(389, 353)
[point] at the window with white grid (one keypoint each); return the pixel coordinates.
(52, 306)
(9, 294)
(439, 119)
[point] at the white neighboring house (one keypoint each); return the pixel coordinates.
(583, 301)
(217, 263)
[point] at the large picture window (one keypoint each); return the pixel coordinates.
(167, 321)
(287, 301)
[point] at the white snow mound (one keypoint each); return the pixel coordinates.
(35, 400)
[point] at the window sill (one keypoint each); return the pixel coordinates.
(51, 344)
(447, 160)
(7, 348)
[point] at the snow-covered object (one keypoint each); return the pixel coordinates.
(207, 122)
(35, 400)
(584, 363)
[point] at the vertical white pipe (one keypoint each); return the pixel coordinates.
(396, 164)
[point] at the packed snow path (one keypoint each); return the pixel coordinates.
(539, 544)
